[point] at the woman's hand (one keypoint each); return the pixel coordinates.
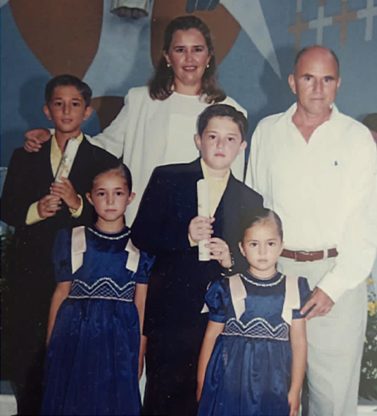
(35, 138)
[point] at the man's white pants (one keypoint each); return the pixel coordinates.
(335, 344)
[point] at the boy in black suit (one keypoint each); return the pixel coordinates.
(37, 206)
(167, 226)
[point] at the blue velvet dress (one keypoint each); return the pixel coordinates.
(249, 370)
(92, 358)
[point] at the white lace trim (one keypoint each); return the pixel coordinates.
(257, 328)
(103, 288)
(261, 284)
(109, 237)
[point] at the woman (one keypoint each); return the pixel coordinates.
(145, 132)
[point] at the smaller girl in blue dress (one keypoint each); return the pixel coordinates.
(253, 356)
(97, 310)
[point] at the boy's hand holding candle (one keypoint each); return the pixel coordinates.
(219, 251)
(48, 206)
(200, 230)
(65, 191)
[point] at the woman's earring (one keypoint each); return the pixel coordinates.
(168, 65)
(207, 66)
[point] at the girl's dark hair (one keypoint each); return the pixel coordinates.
(259, 216)
(66, 80)
(160, 86)
(120, 168)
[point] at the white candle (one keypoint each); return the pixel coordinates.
(203, 210)
(67, 159)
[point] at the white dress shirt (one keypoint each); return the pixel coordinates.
(324, 190)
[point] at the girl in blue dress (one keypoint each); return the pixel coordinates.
(97, 310)
(253, 356)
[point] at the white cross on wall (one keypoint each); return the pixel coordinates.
(320, 23)
(368, 13)
(299, 6)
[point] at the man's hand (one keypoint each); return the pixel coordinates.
(66, 192)
(219, 251)
(319, 304)
(48, 206)
(200, 228)
(35, 138)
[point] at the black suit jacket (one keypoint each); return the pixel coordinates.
(29, 177)
(179, 281)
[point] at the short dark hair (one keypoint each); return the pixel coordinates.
(68, 80)
(258, 216)
(160, 86)
(302, 51)
(119, 167)
(222, 110)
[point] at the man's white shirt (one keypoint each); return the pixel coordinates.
(324, 190)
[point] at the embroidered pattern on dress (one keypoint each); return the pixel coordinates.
(260, 283)
(109, 237)
(103, 288)
(256, 328)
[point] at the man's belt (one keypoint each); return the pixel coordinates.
(309, 255)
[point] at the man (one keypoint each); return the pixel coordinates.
(316, 168)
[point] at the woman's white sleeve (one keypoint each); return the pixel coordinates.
(114, 136)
